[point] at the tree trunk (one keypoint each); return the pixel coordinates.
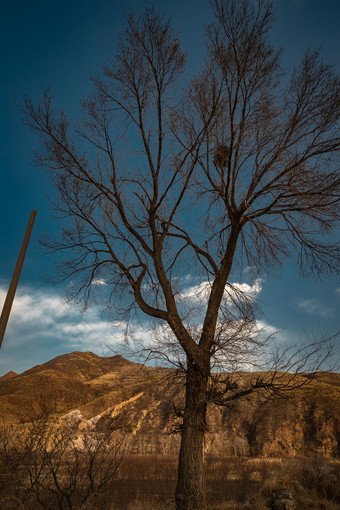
(190, 490)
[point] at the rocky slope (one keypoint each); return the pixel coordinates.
(111, 393)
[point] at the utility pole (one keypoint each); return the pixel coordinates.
(15, 279)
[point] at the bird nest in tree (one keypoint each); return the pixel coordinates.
(221, 156)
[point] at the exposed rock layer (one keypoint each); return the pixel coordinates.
(90, 391)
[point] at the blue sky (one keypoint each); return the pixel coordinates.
(61, 44)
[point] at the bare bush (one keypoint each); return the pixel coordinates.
(48, 466)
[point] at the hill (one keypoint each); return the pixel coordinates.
(113, 393)
(9, 375)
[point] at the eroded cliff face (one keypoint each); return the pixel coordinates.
(307, 424)
(88, 392)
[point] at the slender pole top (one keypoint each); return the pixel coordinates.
(15, 278)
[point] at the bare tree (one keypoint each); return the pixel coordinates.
(156, 181)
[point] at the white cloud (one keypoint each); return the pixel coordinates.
(202, 290)
(337, 290)
(264, 328)
(42, 326)
(32, 306)
(98, 281)
(43, 310)
(196, 291)
(315, 307)
(250, 290)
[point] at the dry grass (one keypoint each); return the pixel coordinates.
(148, 483)
(235, 483)
(150, 503)
(149, 467)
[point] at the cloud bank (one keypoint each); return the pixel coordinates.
(42, 326)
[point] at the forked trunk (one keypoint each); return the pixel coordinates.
(190, 490)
